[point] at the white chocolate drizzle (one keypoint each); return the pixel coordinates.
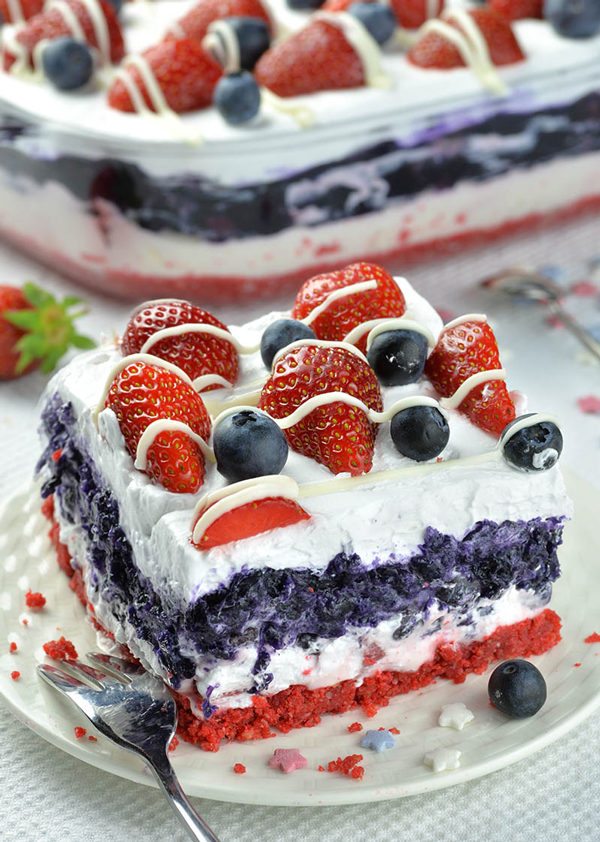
(177, 31)
(100, 25)
(461, 320)
(302, 114)
(164, 425)
(470, 383)
(336, 295)
(233, 410)
(16, 11)
(220, 42)
(212, 506)
(193, 327)
(206, 380)
(363, 43)
(319, 343)
(70, 18)
(401, 323)
(528, 421)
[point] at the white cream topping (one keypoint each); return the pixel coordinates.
(337, 295)
(319, 343)
(470, 383)
(365, 46)
(167, 425)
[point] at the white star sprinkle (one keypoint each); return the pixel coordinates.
(455, 716)
(442, 759)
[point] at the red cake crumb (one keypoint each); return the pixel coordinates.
(12, 647)
(93, 739)
(593, 638)
(56, 455)
(15, 675)
(357, 773)
(356, 726)
(395, 731)
(80, 732)
(576, 665)
(60, 650)
(173, 744)
(36, 601)
(347, 766)
(25, 621)
(239, 769)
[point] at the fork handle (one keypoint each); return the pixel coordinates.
(187, 815)
(571, 324)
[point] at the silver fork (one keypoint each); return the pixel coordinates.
(137, 712)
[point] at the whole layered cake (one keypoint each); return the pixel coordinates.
(308, 513)
(224, 148)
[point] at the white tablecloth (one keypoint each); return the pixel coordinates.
(47, 796)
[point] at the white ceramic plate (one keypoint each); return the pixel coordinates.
(490, 742)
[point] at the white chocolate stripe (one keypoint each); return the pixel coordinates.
(319, 343)
(164, 425)
(239, 494)
(431, 8)
(302, 114)
(469, 317)
(336, 295)
(529, 421)
(136, 358)
(220, 42)
(365, 46)
(232, 410)
(401, 323)
(100, 25)
(13, 47)
(206, 380)
(16, 11)
(470, 383)
(157, 98)
(70, 18)
(177, 30)
(192, 327)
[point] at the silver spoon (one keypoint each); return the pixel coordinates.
(521, 282)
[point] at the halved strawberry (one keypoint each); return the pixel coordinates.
(52, 24)
(29, 8)
(196, 353)
(337, 435)
(251, 519)
(435, 51)
(464, 350)
(347, 313)
(518, 9)
(411, 14)
(141, 394)
(185, 74)
(195, 23)
(316, 58)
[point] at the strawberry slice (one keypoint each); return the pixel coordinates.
(411, 14)
(316, 58)
(195, 23)
(251, 519)
(29, 8)
(52, 24)
(464, 350)
(185, 74)
(196, 353)
(518, 9)
(141, 394)
(334, 324)
(435, 51)
(339, 436)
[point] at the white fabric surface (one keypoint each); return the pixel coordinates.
(47, 796)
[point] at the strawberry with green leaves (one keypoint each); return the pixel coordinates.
(36, 330)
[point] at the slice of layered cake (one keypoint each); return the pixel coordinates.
(308, 513)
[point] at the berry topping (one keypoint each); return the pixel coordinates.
(36, 330)
(517, 689)
(250, 37)
(196, 22)
(67, 63)
(184, 72)
(250, 519)
(344, 314)
(337, 435)
(433, 50)
(463, 350)
(304, 5)
(518, 9)
(398, 357)
(534, 448)
(379, 20)
(28, 9)
(279, 334)
(249, 444)
(197, 354)
(410, 14)
(316, 58)
(141, 394)
(419, 432)
(573, 18)
(237, 98)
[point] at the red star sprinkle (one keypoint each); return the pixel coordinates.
(593, 638)
(288, 760)
(239, 769)
(589, 404)
(80, 732)
(15, 675)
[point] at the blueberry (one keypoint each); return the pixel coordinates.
(535, 448)
(573, 18)
(117, 5)
(279, 334)
(237, 97)
(419, 432)
(67, 63)
(378, 20)
(305, 4)
(249, 444)
(398, 357)
(253, 39)
(517, 689)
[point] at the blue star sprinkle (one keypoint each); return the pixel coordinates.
(378, 741)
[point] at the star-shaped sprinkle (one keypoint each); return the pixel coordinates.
(455, 716)
(378, 741)
(288, 760)
(589, 404)
(442, 759)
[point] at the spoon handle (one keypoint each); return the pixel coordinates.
(576, 329)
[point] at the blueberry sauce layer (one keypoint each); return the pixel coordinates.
(365, 182)
(272, 609)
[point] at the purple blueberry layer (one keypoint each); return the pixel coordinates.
(272, 609)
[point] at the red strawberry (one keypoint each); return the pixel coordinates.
(316, 58)
(462, 351)
(185, 73)
(411, 14)
(433, 50)
(195, 353)
(251, 519)
(338, 435)
(517, 9)
(29, 8)
(142, 393)
(35, 330)
(52, 24)
(196, 22)
(347, 313)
